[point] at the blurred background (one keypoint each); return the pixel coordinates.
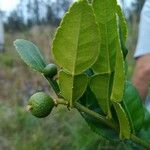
(36, 20)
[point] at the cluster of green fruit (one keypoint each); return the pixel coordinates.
(41, 104)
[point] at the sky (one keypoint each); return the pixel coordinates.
(8, 5)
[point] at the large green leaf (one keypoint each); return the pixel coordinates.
(72, 87)
(105, 11)
(132, 104)
(76, 43)
(100, 86)
(122, 31)
(30, 54)
(125, 129)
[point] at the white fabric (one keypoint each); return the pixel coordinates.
(143, 45)
(1, 32)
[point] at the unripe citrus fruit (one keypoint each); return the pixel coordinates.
(40, 105)
(50, 70)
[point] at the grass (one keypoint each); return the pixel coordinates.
(26, 132)
(62, 130)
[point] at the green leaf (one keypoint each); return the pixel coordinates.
(105, 11)
(110, 58)
(72, 87)
(89, 100)
(99, 84)
(30, 54)
(123, 121)
(133, 106)
(119, 74)
(99, 128)
(122, 31)
(119, 78)
(76, 43)
(145, 130)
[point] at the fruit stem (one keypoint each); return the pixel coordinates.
(53, 83)
(61, 102)
(29, 107)
(111, 124)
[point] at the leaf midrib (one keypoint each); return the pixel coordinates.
(77, 41)
(35, 60)
(106, 31)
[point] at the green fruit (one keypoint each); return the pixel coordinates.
(40, 105)
(50, 70)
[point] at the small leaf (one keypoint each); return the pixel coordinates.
(122, 31)
(99, 84)
(30, 54)
(133, 106)
(72, 87)
(76, 43)
(123, 121)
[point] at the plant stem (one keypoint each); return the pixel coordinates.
(111, 124)
(99, 117)
(62, 102)
(54, 85)
(139, 141)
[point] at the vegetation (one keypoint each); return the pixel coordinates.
(29, 13)
(94, 84)
(62, 130)
(18, 128)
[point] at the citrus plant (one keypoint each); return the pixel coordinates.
(89, 48)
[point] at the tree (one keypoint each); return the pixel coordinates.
(36, 11)
(137, 8)
(15, 22)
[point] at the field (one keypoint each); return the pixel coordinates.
(63, 129)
